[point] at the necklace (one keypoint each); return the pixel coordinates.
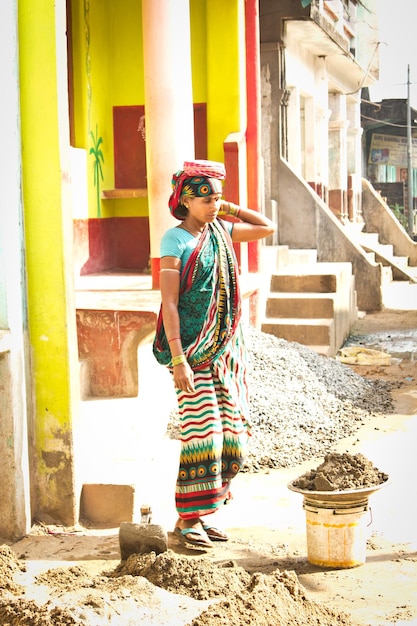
(193, 233)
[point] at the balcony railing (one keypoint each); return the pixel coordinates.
(340, 15)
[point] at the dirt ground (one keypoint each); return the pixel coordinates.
(261, 576)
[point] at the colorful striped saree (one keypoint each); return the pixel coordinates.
(214, 419)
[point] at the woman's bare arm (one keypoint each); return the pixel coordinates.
(170, 286)
(251, 226)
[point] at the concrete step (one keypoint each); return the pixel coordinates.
(386, 249)
(381, 253)
(302, 256)
(368, 239)
(313, 305)
(354, 229)
(293, 281)
(274, 257)
(322, 350)
(371, 256)
(308, 332)
(399, 264)
(401, 261)
(386, 274)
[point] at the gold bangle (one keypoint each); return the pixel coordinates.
(224, 210)
(234, 210)
(177, 360)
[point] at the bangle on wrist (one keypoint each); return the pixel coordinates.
(174, 339)
(224, 209)
(177, 360)
(234, 210)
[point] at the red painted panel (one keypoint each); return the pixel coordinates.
(231, 187)
(200, 130)
(231, 162)
(113, 243)
(129, 130)
(131, 242)
(93, 248)
(129, 148)
(100, 242)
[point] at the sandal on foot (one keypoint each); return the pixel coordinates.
(197, 538)
(213, 533)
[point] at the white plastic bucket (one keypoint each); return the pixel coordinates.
(336, 537)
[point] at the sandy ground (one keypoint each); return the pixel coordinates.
(266, 526)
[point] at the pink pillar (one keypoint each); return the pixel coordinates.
(253, 131)
(168, 108)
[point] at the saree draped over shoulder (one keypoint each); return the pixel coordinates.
(214, 419)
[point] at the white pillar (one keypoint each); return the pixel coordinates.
(321, 100)
(338, 173)
(294, 130)
(168, 107)
(338, 141)
(310, 142)
(354, 160)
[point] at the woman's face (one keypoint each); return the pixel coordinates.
(204, 209)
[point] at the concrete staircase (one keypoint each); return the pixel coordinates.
(395, 267)
(311, 303)
(399, 279)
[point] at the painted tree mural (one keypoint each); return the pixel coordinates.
(97, 165)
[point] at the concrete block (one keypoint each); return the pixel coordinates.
(141, 539)
(107, 505)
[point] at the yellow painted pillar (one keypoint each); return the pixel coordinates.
(168, 108)
(226, 74)
(48, 244)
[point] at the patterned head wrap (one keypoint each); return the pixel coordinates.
(196, 179)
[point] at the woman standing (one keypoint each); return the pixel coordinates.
(199, 338)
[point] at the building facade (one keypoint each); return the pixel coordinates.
(316, 58)
(104, 101)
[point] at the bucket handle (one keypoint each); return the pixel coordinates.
(346, 511)
(314, 509)
(349, 511)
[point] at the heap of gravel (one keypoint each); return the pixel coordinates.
(301, 403)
